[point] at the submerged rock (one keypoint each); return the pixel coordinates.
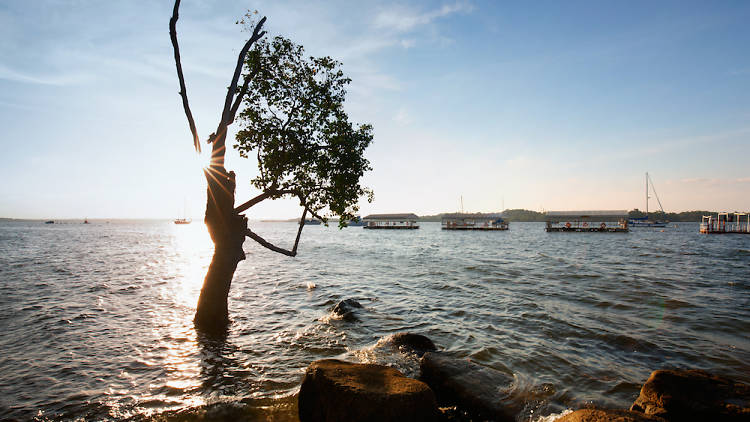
(479, 390)
(607, 415)
(345, 309)
(693, 395)
(413, 343)
(334, 390)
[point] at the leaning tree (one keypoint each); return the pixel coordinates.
(295, 124)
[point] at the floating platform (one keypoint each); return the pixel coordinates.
(406, 221)
(595, 221)
(476, 221)
(726, 223)
(588, 229)
(477, 228)
(390, 227)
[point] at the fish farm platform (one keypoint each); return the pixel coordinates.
(588, 229)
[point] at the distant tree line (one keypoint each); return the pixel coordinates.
(671, 216)
(528, 215)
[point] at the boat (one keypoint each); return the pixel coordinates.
(646, 221)
(184, 219)
(85, 221)
(49, 222)
(312, 222)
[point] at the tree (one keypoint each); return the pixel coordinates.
(294, 122)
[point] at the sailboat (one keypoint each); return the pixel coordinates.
(184, 219)
(646, 221)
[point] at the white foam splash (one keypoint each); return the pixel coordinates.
(554, 416)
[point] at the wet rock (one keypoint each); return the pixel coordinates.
(334, 390)
(607, 415)
(693, 395)
(345, 309)
(414, 343)
(479, 390)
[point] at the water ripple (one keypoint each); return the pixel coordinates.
(97, 318)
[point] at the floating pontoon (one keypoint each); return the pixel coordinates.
(587, 221)
(461, 221)
(391, 221)
(726, 222)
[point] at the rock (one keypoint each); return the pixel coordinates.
(693, 395)
(333, 390)
(607, 415)
(414, 343)
(481, 391)
(345, 309)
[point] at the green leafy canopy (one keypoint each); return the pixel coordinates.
(294, 121)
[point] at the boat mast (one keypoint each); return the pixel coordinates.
(646, 194)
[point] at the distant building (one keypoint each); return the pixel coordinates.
(460, 221)
(587, 221)
(391, 221)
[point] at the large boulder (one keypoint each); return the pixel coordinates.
(693, 395)
(483, 392)
(334, 390)
(346, 309)
(607, 415)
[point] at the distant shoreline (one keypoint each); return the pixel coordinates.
(514, 215)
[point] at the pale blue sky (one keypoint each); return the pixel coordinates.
(554, 105)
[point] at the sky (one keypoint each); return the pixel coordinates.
(536, 105)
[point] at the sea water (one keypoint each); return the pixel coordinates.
(96, 319)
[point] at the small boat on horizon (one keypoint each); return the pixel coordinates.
(184, 219)
(646, 221)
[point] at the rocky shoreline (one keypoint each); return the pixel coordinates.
(450, 389)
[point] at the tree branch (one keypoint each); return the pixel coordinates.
(178, 63)
(249, 233)
(263, 196)
(299, 231)
(226, 114)
(243, 91)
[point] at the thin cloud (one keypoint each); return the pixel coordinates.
(404, 20)
(16, 76)
(713, 181)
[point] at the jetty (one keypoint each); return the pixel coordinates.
(478, 221)
(609, 221)
(726, 222)
(391, 221)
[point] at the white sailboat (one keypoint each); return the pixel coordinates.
(646, 221)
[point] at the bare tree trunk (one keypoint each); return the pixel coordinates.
(227, 230)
